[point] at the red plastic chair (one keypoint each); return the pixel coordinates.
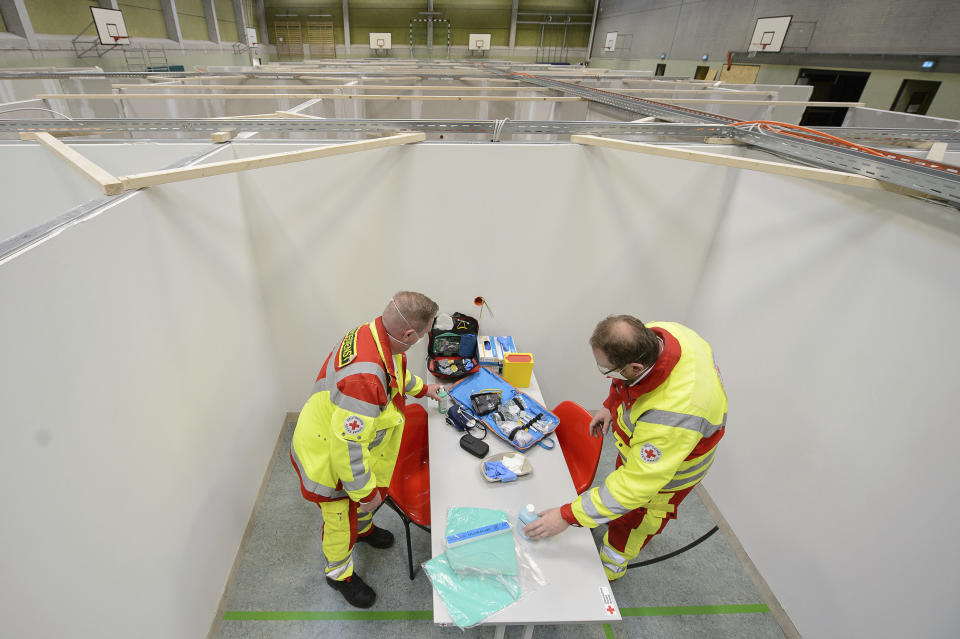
(409, 492)
(580, 449)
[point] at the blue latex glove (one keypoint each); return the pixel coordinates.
(496, 470)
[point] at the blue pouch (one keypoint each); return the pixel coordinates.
(468, 345)
(484, 379)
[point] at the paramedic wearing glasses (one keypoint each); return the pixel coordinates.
(668, 409)
(348, 435)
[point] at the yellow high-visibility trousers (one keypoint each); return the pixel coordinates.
(627, 535)
(339, 535)
(342, 524)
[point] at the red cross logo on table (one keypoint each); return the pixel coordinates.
(610, 610)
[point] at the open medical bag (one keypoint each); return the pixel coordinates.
(516, 412)
(452, 353)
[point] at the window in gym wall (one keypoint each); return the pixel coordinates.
(661, 69)
(830, 86)
(701, 73)
(915, 96)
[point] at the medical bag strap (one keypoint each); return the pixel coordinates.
(541, 442)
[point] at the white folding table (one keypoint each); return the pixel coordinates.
(577, 589)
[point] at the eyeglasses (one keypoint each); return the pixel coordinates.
(612, 370)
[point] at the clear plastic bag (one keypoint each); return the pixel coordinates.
(481, 576)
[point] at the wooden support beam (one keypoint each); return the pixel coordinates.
(755, 102)
(936, 152)
(308, 96)
(302, 116)
(695, 91)
(255, 116)
(765, 166)
(222, 136)
(94, 172)
(386, 87)
(153, 178)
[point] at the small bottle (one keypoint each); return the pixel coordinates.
(443, 400)
(528, 514)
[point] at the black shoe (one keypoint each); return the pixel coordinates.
(378, 538)
(355, 591)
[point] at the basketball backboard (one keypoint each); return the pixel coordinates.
(610, 43)
(380, 41)
(110, 26)
(769, 33)
(479, 42)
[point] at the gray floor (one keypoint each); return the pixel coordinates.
(281, 570)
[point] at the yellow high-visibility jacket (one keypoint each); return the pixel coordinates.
(349, 431)
(666, 427)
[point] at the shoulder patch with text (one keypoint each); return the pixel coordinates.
(353, 425)
(348, 348)
(650, 453)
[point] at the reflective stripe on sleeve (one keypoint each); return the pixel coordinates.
(345, 402)
(682, 420)
(586, 502)
(378, 438)
(610, 502)
(614, 568)
(354, 405)
(708, 459)
(311, 486)
(682, 482)
(360, 474)
(410, 384)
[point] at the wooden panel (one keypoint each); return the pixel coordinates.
(740, 73)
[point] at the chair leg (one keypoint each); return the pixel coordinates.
(406, 524)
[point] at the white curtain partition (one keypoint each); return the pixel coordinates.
(150, 353)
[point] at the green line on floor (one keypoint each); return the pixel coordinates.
(339, 615)
(392, 615)
(669, 611)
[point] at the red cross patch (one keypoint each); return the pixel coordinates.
(650, 453)
(353, 425)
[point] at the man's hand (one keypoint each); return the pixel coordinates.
(549, 524)
(600, 424)
(432, 391)
(370, 506)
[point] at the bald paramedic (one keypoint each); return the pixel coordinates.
(668, 411)
(348, 435)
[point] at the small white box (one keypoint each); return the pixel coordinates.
(488, 351)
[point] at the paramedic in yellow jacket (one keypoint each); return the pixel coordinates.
(348, 435)
(668, 411)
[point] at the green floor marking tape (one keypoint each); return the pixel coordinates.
(669, 611)
(340, 615)
(393, 615)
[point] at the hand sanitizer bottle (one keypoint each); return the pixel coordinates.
(444, 401)
(528, 514)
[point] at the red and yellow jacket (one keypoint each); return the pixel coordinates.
(666, 428)
(348, 433)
